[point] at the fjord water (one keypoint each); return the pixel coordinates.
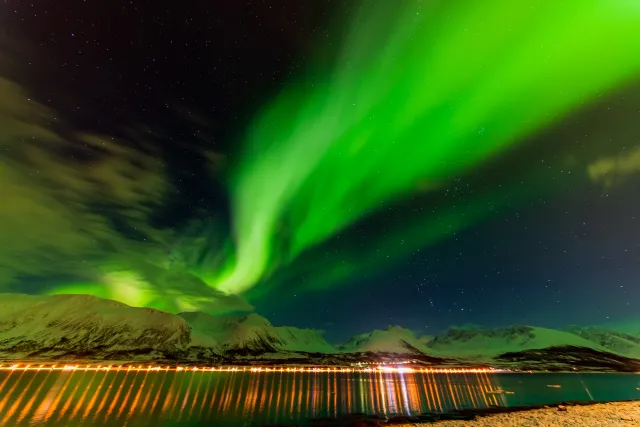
(148, 398)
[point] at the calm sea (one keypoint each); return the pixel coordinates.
(230, 399)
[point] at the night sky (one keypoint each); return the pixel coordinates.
(134, 165)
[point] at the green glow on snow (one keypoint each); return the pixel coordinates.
(422, 91)
(126, 287)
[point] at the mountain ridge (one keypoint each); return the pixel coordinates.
(59, 327)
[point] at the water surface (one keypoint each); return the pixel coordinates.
(148, 398)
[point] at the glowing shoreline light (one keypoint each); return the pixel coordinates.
(251, 369)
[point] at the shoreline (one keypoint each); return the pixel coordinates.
(157, 367)
(578, 413)
(164, 366)
(602, 414)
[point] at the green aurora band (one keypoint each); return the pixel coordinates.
(422, 91)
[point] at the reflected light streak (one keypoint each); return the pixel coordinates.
(27, 408)
(204, 398)
(137, 396)
(186, 396)
(4, 401)
(115, 399)
(152, 392)
(83, 396)
(195, 398)
(70, 394)
(54, 396)
(174, 401)
(68, 401)
(103, 401)
(17, 403)
(279, 397)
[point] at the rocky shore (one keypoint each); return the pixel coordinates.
(597, 415)
(567, 414)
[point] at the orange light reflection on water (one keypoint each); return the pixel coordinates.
(69, 394)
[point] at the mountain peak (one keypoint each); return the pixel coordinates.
(396, 328)
(255, 320)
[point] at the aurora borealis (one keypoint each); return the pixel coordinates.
(188, 162)
(421, 101)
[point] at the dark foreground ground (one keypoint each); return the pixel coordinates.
(574, 413)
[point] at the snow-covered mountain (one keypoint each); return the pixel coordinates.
(629, 327)
(253, 334)
(85, 326)
(484, 344)
(394, 339)
(617, 342)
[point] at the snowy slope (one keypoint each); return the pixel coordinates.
(254, 334)
(629, 327)
(394, 339)
(472, 343)
(41, 325)
(617, 342)
(307, 340)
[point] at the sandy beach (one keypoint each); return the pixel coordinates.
(599, 415)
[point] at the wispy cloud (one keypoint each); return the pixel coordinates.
(79, 205)
(613, 169)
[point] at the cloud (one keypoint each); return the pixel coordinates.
(61, 195)
(78, 205)
(611, 170)
(175, 289)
